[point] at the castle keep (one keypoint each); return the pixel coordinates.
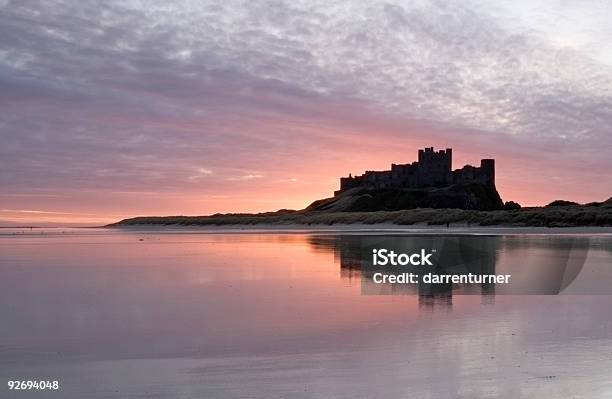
(433, 169)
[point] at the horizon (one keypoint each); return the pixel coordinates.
(119, 110)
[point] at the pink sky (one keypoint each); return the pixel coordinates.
(191, 109)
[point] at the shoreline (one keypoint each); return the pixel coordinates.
(357, 228)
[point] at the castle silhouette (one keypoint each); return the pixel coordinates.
(433, 169)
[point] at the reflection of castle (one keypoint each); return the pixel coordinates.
(433, 169)
(458, 255)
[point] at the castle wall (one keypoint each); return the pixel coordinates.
(433, 169)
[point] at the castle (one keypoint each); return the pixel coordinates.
(433, 169)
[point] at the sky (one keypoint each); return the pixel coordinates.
(124, 108)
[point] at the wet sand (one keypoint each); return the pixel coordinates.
(177, 314)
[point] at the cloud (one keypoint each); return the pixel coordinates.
(443, 61)
(34, 211)
(201, 173)
(245, 177)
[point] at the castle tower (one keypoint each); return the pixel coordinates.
(488, 169)
(436, 161)
(435, 166)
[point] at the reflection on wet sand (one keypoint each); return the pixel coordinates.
(462, 254)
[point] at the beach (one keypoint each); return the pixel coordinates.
(176, 313)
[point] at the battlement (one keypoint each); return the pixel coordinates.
(433, 169)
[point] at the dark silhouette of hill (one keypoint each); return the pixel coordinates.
(471, 196)
(591, 214)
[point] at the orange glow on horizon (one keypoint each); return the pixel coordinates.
(293, 187)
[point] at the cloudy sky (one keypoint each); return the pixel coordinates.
(115, 109)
